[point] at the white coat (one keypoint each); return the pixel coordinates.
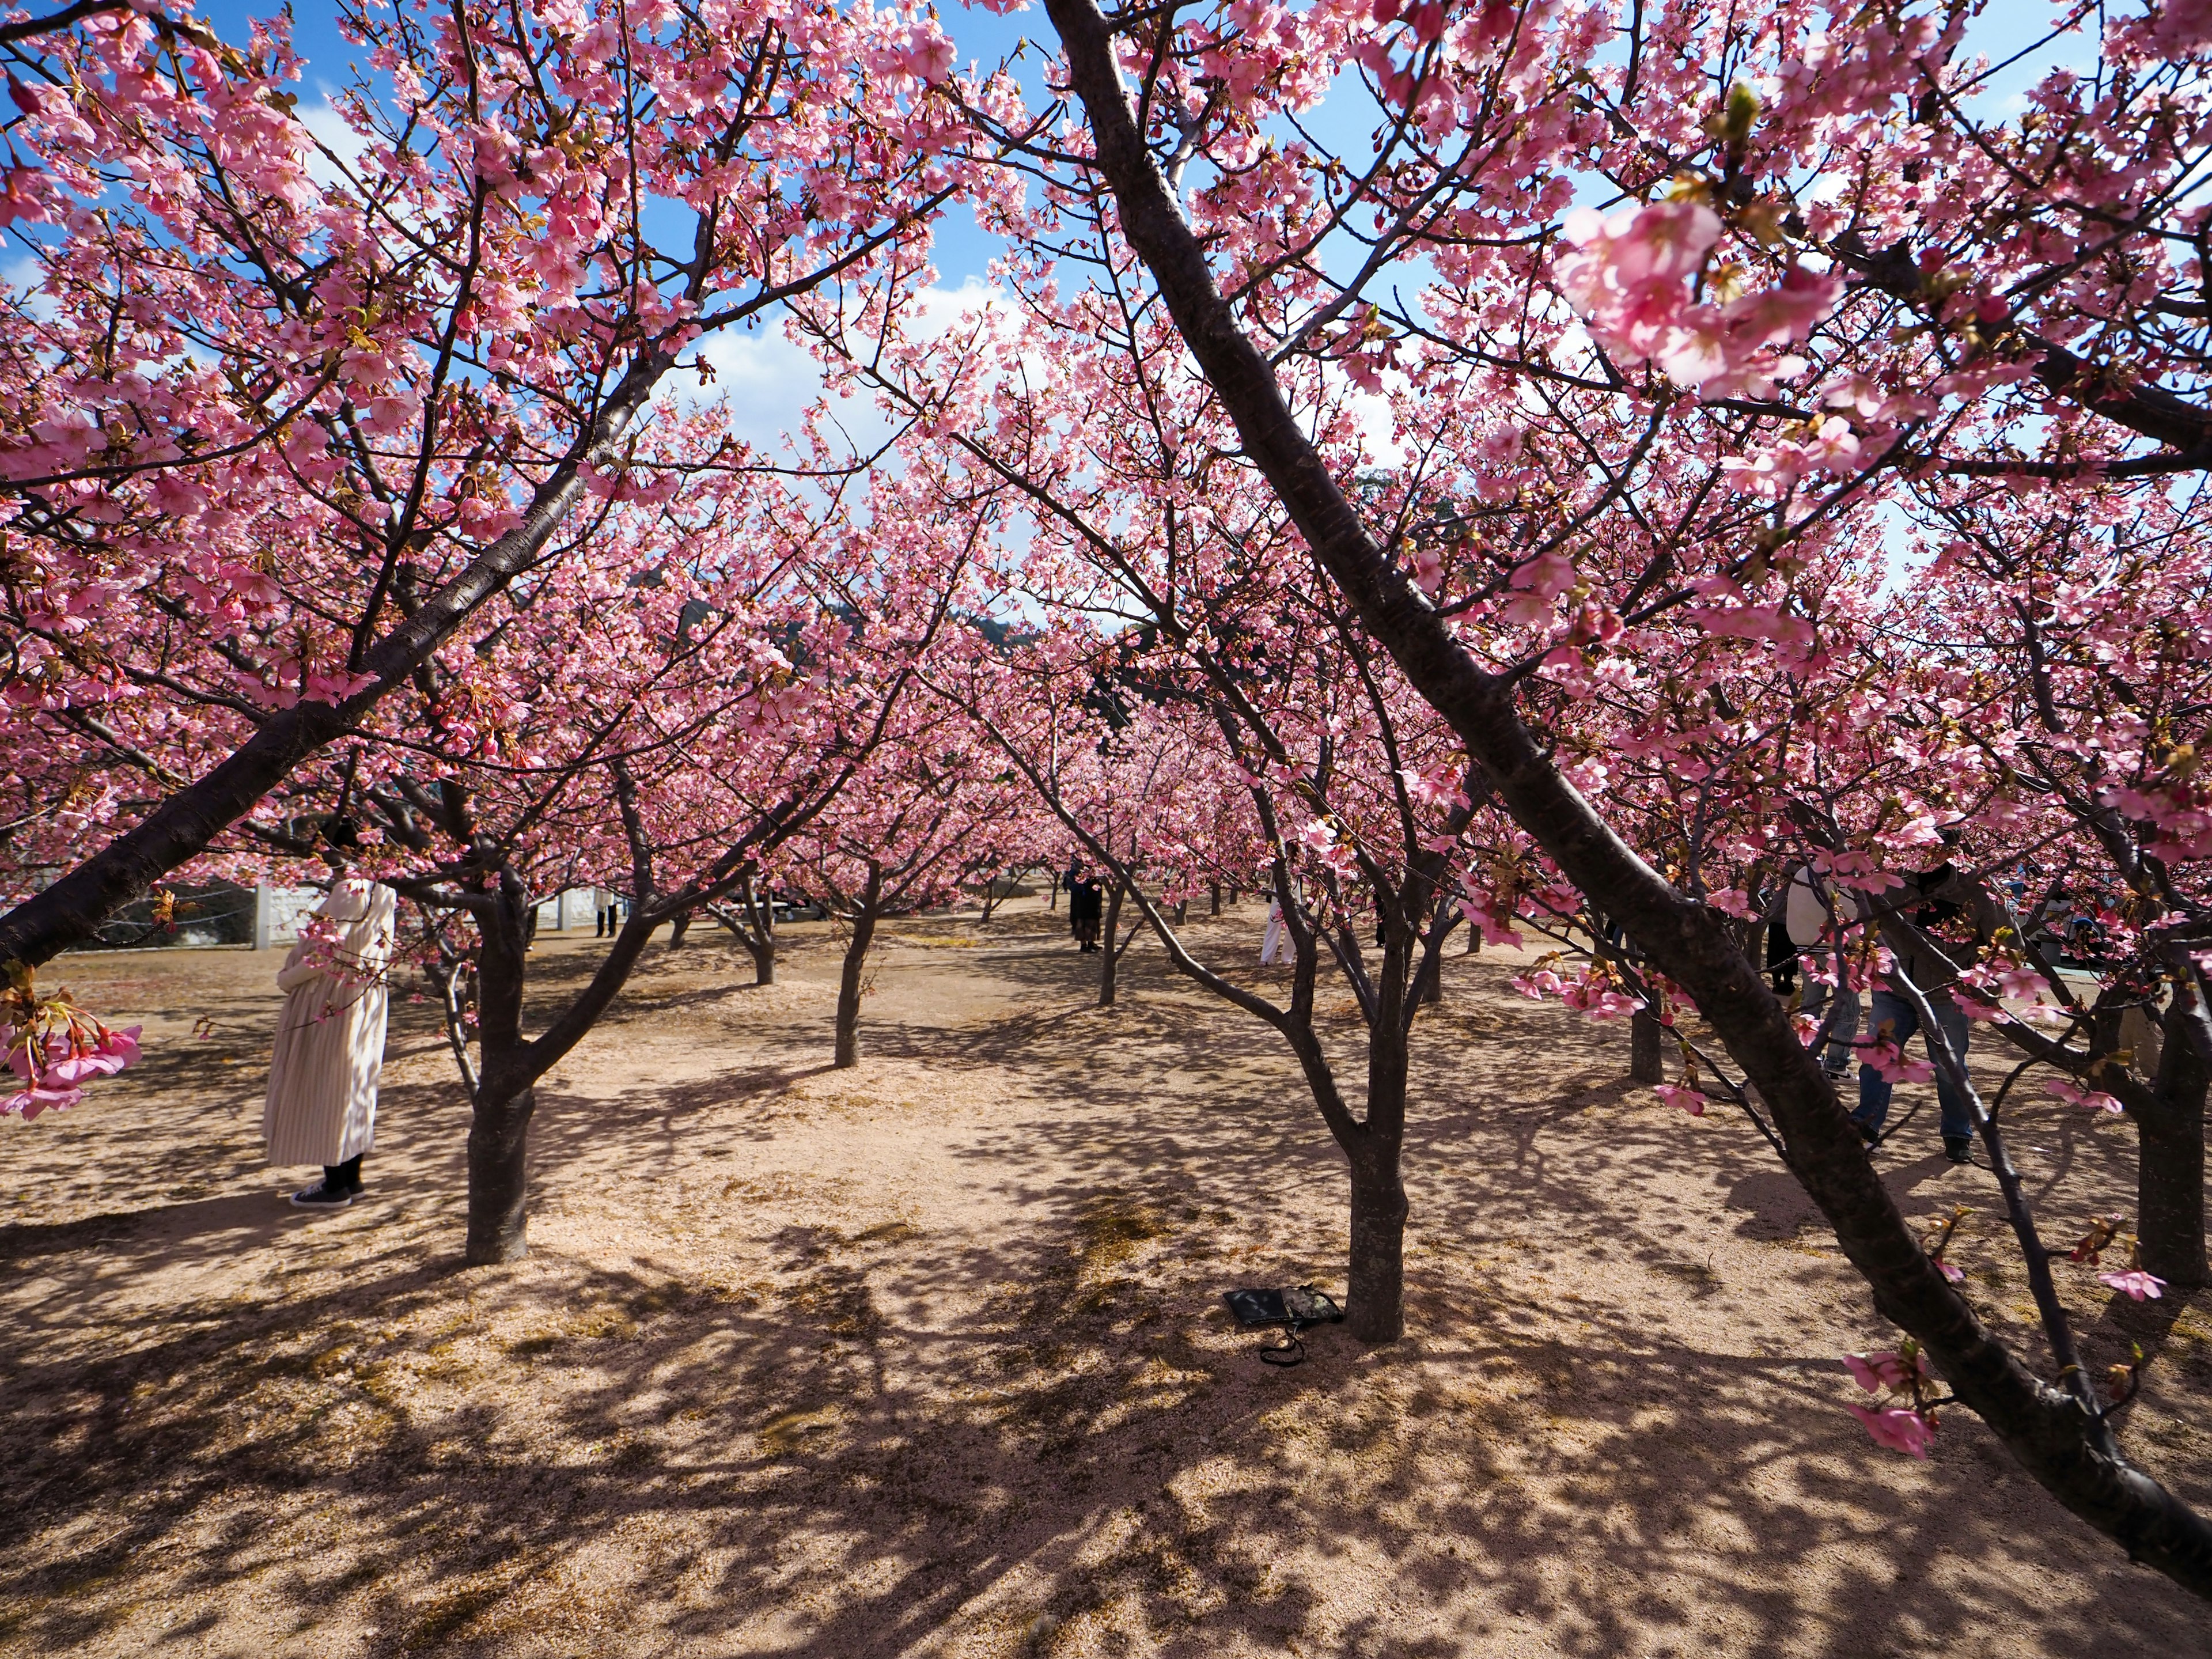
(321, 1107)
(1803, 914)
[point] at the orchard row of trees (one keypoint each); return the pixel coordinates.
(1544, 468)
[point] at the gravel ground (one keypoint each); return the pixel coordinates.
(927, 1358)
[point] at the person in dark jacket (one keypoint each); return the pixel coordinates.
(1781, 955)
(1086, 904)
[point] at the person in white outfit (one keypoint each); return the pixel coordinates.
(1805, 915)
(321, 1107)
(1275, 943)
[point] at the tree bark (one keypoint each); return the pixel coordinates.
(1213, 895)
(1374, 1308)
(678, 928)
(756, 932)
(856, 962)
(1109, 958)
(506, 1096)
(2170, 1198)
(499, 1147)
(1374, 1301)
(2170, 1161)
(1647, 1055)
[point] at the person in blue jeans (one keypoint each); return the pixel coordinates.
(1895, 1017)
(1958, 915)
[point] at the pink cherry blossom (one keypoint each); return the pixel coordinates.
(1887, 1369)
(1892, 1063)
(2094, 1100)
(2134, 1284)
(1897, 1428)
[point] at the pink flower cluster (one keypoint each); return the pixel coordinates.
(2134, 1284)
(1592, 992)
(2095, 1100)
(1633, 276)
(1893, 1063)
(1906, 1427)
(53, 1065)
(1900, 1428)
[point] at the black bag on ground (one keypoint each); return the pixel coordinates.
(1295, 1308)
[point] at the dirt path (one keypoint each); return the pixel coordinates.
(927, 1358)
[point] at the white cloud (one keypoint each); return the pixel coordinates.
(941, 307)
(1372, 413)
(329, 129)
(767, 381)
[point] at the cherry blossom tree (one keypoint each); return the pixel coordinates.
(934, 811)
(660, 711)
(2059, 664)
(1195, 656)
(1230, 252)
(284, 414)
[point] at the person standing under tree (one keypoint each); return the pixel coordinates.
(1806, 915)
(1947, 906)
(321, 1106)
(1085, 905)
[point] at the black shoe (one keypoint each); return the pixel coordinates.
(1959, 1149)
(322, 1196)
(1872, 1137)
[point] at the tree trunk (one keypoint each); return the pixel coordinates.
(856, 961)
(678, 928)
(1375, 1302)
(2170, 1161)
(756, 933)
(1647, 1052)
(499, 1145)
(1375, 1309)
(2170, 1198)
(1213, 893)
(1109, 958)
(499, 1125)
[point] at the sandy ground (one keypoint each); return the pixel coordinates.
(927, 1358)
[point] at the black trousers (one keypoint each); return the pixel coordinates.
(345, 1175)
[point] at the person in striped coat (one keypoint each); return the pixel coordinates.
(321, 1106)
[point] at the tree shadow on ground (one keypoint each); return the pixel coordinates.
(916, 1435)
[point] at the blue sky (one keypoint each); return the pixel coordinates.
(964, 252)
(986, 37)
(768, 381)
